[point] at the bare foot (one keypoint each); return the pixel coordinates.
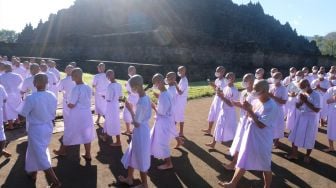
(165, 167)
(211, 145)
(59, 153)
(102, 137)
(127, 133)
(230, 166)
(181, 135)
(306, 159)
(225, 184)
(206, 131)
(291, 157)
(115, 144)
(87, 158)
(180, 142)
(127, 180)
(329, 150)
(6, 154)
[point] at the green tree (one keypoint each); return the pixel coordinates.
(8, 36)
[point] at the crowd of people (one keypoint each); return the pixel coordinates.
(270, 108)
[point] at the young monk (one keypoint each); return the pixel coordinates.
(161, 132)
(304, 133)
(278, 93)
(52, 79)
(331, 130)
(3, 98)
(227, 122)
(132, 99)
(291, 77)
(215, 107)
(256, 146)
(170, 81)
(99, 85)
(65, 86)
(259, 74)
(181, 99)
(27, 86)
(321, 85)
(11, 82)
(293, 91)
(137, 155)
(112, 120)
(40, 109)
(80, 129)
(246, 95)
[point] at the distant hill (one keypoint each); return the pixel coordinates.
(326, 44)
(190, 22)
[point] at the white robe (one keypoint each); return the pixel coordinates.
(27, 86)
(279, 128)
(11, 82)
(39, 109)
(324, 106)
(181, 100)
(80, 129)
(20, 71)
(291, 111)
(304, 133)
(160, 134)
(256, 146)
(56, 73)
(216, 102)
(235, 147)
(137, 154)
(226, 124)
(3, 97)
(133, 99)
(100, 83)
(65, 86)
(112, 118)
(331, 129)
(173, 93)
(52, 83)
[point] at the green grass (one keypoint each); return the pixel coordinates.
(196, 89)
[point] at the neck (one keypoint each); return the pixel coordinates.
(112, 80)
(79, 82)
(249, 89)
(141, 93)
(264, 99)
(309, 91)
(230, 84)
(41, 89)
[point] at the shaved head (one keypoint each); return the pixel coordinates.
(68, 69)
(77, 75)
(157, 78)
(136, 81)
(110, 74)
(101, 67)
(44, 67)
(248, 77)
(34, 68)
(8, 68)
(261, 86)
(40, 81)
(131, 70)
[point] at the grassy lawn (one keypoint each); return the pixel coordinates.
(196, 89)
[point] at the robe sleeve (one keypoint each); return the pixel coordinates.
(316, 100)
(27, 107)
(164, 106)
(74, 96)
(3, 93)
(109, 93)
(143, 112)
(268, 114)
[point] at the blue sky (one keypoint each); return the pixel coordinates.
(308, 17)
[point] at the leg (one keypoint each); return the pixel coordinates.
(294, 153)
(128, 129)
(61, 151)
(276, 143)
(181, 128)
(211, 144)
(103, 137)
(331, 147)
(32, 175)
(167, 165)
(87, 155)
(129, 179)
(3, 151)
(52, 176)
(180, 141)
(208, 131)
(10, 124)
(98, 118)
(235, 179)
(118, 142)
(233, 163)
(307, 157)
(143, 176)
(267, 179)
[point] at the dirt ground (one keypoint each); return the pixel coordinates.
(194, 164)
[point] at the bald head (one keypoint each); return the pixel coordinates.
(101, 67)
(220, 71)
(44, 67)
(304, 84)
(8, 68)
(171, 78)
(131, 71)
(2, 66)
(77, 75)
(74, 64)
(110, 75)
(259, 74)
(40, 81)
(181, 71)
(68, 70)
(136, 83)
(34, 68)
(261, 86)
(248, 81)
(158, 78)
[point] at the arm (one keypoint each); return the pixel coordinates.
(227, 101)
(277, 99)
(247, 106)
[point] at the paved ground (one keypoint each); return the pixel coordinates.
(195, 164)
